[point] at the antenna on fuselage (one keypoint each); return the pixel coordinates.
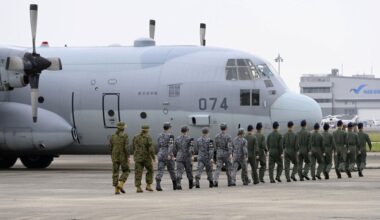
(202, 32)
(152, 28)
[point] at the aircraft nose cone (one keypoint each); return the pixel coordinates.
(295, 107)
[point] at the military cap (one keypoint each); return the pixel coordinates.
(249, 128)
(350, 125)
(145, 127)
(167, 125)
(316, 126)
(204, 130)
(340, 123)
(184, 129)
(303, 123)
(360, 125)
(290, 124)
(120, 125)
(275, 125)
(259, 126)
(326, 126)
(223, 126)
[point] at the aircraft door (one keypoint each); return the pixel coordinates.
(111, 109)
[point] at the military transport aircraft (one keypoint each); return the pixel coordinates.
(83, 92)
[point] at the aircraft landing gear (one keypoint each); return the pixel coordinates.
(36, 161)
(7, 162)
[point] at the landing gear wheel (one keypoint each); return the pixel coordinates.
(7, 162)
(36, 161)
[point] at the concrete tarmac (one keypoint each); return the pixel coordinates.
(79, 187)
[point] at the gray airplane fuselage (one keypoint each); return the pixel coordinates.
(99, 86)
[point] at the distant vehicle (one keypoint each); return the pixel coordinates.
(333, 119)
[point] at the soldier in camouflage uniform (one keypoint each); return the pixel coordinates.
(165, 156)
(120, 158)
(184, 151)
(291, 152)
(340, 155)
(223, 145)
(262, 158)
(253, 153)
(317, 152)
(352, 146)
(240, 157)
(274, 143)
(329, 146)
(303, 140)
(205, 157)
(144, 156)
(362, 151)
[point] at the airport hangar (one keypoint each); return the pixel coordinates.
(349, 95)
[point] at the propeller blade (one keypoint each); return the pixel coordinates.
(56, 64)
(152, 28)
(15, 64)
(33, 23)
(203, 34)
(34, 100)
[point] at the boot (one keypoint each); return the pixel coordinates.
(158, 186)
(197, 184)
(191, 184)
(138, 189)
(174, 185)
(306, 177)
(319, 177)
(339, 175)
(349, 174)
(179, 187)
(313, 178)
(215, 184)
(120, 186)
(360, 173)
(149, 188)
(294, 178)
(325, 174)
(117, 191)
(211, 184)
(288, 180)
(278, 179)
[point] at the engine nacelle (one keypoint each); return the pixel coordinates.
(19, 134)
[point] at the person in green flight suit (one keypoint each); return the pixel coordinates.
(361, 158)
(352, 145)
(253, 153)
(261, 146)
(274, 143)
(329, 146)
(120, 157)
(340, 155)
(291, 152)
(303, 140)
(317, 152)
(144, 156)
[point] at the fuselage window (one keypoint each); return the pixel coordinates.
(249, 97)
(255, 97)
(244, 73)
(245, 97)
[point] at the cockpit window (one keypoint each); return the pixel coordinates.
(241, 69)
(264, 70)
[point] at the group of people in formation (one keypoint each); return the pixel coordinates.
(303, 149)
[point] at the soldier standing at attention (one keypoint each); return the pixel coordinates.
(329, 146)
(262, 158)
(165, 156)
(362, 151)
(240, 156)
(303, 140)
(205, 157)
(223, 147)
(317, 152)
(352, 146)
(144, 156)
(291, 152)
(184, 151)
(253, 153)
(274, 143)
(340, 154)
(120, 158)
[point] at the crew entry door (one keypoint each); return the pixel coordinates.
(111, 109)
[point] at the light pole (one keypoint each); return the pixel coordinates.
(279, 60)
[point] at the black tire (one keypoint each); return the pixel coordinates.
(36, 161)
(7, 162)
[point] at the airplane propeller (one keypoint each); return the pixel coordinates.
(152, 28)
(203, 34)
(32, 64)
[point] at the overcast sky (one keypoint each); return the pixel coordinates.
(312, 36)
